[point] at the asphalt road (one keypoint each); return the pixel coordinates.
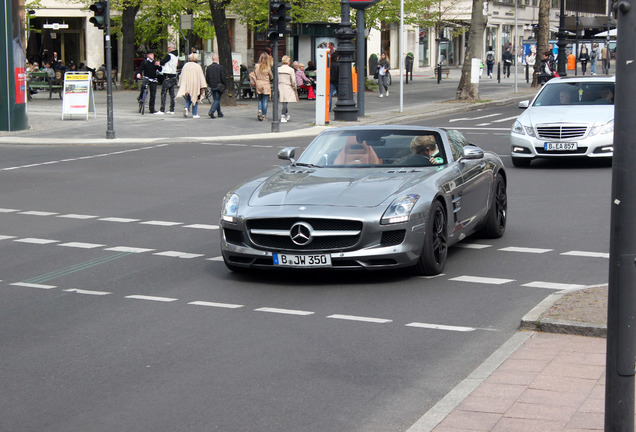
(117, 313)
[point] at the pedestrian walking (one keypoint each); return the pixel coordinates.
(214, 76)
(169, 71)
(260, 79)
(383, 70)
(605, 57)
(287, 90)
(490, 61)
(593, 58)
(507, 61)
(148, 74)
(584, 57)
(192, 85)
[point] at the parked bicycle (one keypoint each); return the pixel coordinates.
(144, 98)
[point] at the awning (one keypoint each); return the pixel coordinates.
(612, 33)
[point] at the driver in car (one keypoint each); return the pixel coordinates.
(426, 145)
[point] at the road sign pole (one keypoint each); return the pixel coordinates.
(110, 131)
(621, 310)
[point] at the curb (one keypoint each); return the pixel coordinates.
(534, 321)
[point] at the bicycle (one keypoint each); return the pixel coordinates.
(144, 98)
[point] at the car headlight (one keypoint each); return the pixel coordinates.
(399, 210)
(230, 208)
(520, 129)
(603, 129)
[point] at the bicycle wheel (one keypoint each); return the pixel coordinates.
(143, 101)
(141, 104)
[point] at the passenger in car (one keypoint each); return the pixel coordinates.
(607, 96)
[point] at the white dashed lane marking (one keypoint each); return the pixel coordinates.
(587, 254)
(360, 318)
(284, 311)
(525, 250)
(87, 292)
(77, 216)
(161, 223)
(482, 280)
(128, 249)
(152, 298)
(441, 327)
(553, 285)
(214, 304)
(33, 285)
(118, 219)
(37, 213)
(81, 245)
(176, 254)
(36, 240)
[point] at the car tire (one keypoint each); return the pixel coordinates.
(521, 162)
(433, 256)
(495, 225)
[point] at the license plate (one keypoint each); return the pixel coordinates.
(288, 260)
(560, 146)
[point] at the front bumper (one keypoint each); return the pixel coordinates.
(527, 147)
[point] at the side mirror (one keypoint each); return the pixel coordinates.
(472, 152)
(524, 104)
(287, 153)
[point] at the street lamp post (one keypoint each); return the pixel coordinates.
(561, 60)
(345, 108)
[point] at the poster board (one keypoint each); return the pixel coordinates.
(78, 94)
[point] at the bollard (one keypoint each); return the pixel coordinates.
(439, 73)
(498, 73)
(527, 73)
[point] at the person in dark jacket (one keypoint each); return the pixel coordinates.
(507, 62)
(214, 77)
(148, 73)
(169, 71)
(584, 57)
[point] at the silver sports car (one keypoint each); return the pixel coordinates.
(365, 197)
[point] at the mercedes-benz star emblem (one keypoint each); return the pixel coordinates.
(300, 233)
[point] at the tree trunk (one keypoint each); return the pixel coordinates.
(128, 44)
(543, 33)
(474, 47)
(217, 8)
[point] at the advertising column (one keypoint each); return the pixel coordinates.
(13, 86)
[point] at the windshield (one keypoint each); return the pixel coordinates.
(576, 93)
(372, 148)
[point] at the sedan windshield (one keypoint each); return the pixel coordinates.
(373, 148)
(576, 93)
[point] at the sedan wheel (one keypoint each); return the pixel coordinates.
(433, 257)
(497, 213)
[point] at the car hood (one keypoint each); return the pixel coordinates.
(355, 187)
(578, 114)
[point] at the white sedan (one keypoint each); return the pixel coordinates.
(569, 117)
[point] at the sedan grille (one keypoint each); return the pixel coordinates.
(561, 132)
(312, 234)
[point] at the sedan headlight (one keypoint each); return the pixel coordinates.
(520, 129)
(230, 208)
(399, 210)
(603, 129)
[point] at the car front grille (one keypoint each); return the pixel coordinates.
(561, 132)
(327, 234)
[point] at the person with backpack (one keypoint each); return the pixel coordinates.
(490, 61)
(507, 62)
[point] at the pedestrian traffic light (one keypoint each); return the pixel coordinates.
(278, 19)
(99, 10)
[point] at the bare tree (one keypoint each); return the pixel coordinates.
(543, 33)
(217, 8)
(467, 90)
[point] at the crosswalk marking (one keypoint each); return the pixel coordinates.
(482, 280)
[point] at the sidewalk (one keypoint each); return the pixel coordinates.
(535, 382)
(422, 98)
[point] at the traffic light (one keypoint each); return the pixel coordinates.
(99, 10)
(278, 19)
